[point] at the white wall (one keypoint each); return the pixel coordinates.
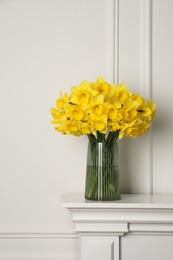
(47, 46)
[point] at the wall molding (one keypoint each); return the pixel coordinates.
(147, 49)
(147, 79)
(39, 257)
(113, 41)
(161, 229)
(133, 228)
(39, 235)
(116, 43)
(37, 232)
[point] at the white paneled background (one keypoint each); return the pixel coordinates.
(47, 46)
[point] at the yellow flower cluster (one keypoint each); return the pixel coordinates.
(102, 107)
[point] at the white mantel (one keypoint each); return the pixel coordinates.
(101, 224)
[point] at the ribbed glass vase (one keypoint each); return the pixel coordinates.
(102, 172)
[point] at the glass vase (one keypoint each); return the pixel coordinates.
(102, 171)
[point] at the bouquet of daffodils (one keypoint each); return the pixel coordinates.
(100, 110)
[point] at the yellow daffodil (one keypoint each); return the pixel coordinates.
(99, 123)
(80, 95)
(115, 126)
(120, 93)
(62, 101)
(143, 128)
(138, 98)
(55, 113)
(99, 107)
(148, 110)
(113, 110)
(101, 86)
(75, 112)
(130, 129)
(96, 105)
(130, 109)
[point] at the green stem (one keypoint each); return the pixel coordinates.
(92, 138)
(112, 136)
(100, 137)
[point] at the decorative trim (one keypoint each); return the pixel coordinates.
(122, 215)
(113, 40)
(39, 256)
(110, 40)
(38, 235)
(36, 232)
(147, 79)
(147, 47)
(116, 42)
(102, 227)
(151, 229)
(133, 213)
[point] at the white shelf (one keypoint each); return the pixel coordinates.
(101, 224)
(157, 201)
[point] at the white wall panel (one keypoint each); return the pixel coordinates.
(33, 247)
(163, 93)
(46, 46)
(134, 69)
(146, 247)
